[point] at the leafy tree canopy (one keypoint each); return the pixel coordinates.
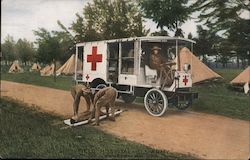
(167, 13)
(48, 46)
(106, 19)
(220, 15)
(25, 50)
(8, 49)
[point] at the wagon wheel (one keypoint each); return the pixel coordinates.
(155, 102)
(128, 98)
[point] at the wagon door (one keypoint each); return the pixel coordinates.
(113, 61)
(79, 63)
(127, 63)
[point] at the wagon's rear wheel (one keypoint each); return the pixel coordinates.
(155, 102)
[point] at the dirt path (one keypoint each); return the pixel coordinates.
(203, 135)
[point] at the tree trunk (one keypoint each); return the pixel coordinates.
(54, 70)
(243, 63)
(216, 61)
(238, 61)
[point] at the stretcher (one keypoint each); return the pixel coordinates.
(84, 122)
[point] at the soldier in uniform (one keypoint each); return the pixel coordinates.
(104, 98)
(77, 92)
(162, 66)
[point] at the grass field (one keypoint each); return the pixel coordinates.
(27, 133)
(215, 98)
(62, 82)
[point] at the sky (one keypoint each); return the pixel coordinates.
(20, 17)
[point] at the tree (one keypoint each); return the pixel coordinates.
(190, 36)
(25, 50)
(224, 17)
(167, 13)
(179, 33)
(220, 15)
(67, 42)
(8, 49)
(49, 48)
(205, 42)
(105, 19)
(160, 33)
(239, 37)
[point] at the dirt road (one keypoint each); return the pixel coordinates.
(203, 135)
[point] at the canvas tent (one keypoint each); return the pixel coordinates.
(69, 66)
(49, 69)
(35, 67)
(15, 68)
(200, 72)
(242, 78)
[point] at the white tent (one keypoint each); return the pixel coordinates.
(15, 68)
(49, 69)
(69, 66)
(35, 67)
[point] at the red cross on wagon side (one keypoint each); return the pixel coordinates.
(94, 58)
(145, 67)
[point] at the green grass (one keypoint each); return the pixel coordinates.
(62, 82)
(215, 98)
(228, 74)
(27, 133)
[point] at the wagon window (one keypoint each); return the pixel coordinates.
(80, 52)
(113, 61)
(127, 57)
(168, 50)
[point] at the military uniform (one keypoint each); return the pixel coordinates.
(77, 92)
(105, 98)
(159, 63)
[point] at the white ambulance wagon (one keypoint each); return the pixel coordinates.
(124, 65)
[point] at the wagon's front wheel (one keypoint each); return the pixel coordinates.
(155, 102)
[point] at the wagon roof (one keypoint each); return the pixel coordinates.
(142, 39)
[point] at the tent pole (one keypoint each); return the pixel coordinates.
(178, 56)
(76, 56)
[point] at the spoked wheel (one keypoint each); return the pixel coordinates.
(155, 102)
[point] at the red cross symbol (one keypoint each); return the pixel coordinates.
(94, 58)
(185, 80)
(87, 77)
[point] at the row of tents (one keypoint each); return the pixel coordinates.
(200, 72)
(67, 68)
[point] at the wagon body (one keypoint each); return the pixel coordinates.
(123, 64)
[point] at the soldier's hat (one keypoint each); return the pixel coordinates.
(156, 48)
